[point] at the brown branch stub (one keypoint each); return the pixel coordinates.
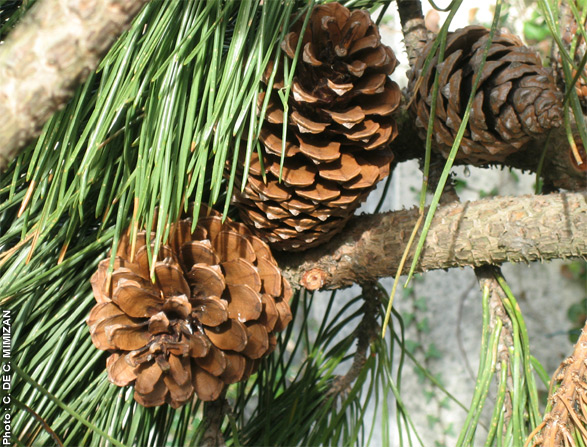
(488, 231)
(313, 279)
(54, 48)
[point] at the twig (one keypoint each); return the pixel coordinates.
(214, 413)
(568, 396)
(487, 279)
(415, 33)
(366, 331)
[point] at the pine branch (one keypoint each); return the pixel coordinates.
(366, 331)
(568, 397)
(413, 27)
(214, 415)
(488, 231)
(53, 50)
(498, 314)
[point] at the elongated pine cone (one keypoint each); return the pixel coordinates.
(339, 128)
(516, 101)
(206, 321)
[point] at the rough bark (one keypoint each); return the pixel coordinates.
(413, 28)
(568, 394)
(365, 333)
(53, 49)
(214, 415)
(488, 231)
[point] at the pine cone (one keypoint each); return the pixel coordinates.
(206, 321)
(516, 101)
(339, 128)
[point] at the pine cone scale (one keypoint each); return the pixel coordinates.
(147, 378)
(321, 151)
(240, 271)
(207, 386)
(258, 343)
(210, 311)
(295, 174)
(122, 374)
(214, 362)
(235, 368)
(206, 281)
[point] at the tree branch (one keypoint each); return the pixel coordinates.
(52, 51)
(365, 333)
(568, 395)
(413, 28)
(488, 231)
(486, 276)
(214, 414)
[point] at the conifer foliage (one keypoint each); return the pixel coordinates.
(139, 320)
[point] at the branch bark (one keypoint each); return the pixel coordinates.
(214, 414)
(487, 231)
(413, 27)
(52, 51)
(568, 394)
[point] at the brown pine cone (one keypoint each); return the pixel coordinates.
(516, 101)
(206, 321)
(339, 128)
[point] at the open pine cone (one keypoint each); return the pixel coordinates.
(208, 319)
(339, 128)
(516, 101)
